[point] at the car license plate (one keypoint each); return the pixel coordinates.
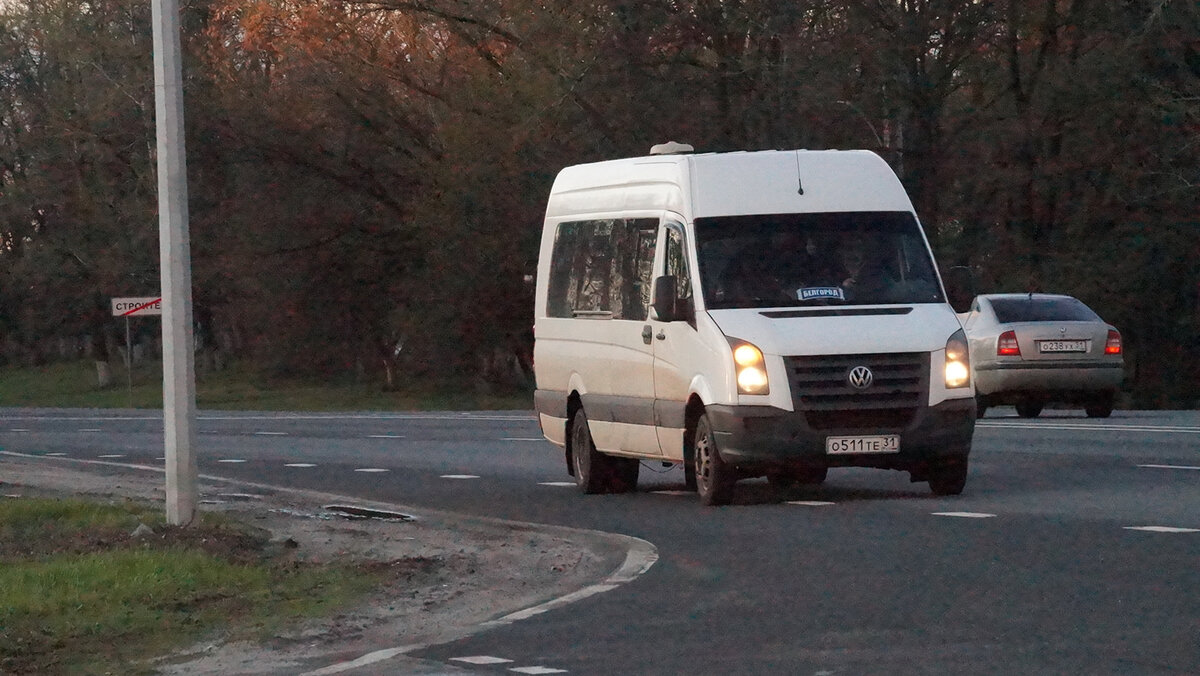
(880, 443)
(1063, 345)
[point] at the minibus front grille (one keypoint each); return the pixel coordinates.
(821, 389)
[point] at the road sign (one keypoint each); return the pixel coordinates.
(136, 307)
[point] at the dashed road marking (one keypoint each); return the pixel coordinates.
(111, 455)
(385, 436)
(1163, 529)
(1169, 467)
(521, 439)
(672, 492)
(557, 483)
(299, 464)
(231, 460)
(371, 469)
(90, 429)
(965, 515)
(271, 434)
(537, 670)
(460, 476)
(480, 659)
(811, 503)
(19, 429)
(55, 455)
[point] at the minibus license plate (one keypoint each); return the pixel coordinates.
(882, 443)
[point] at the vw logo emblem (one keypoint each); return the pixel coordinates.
(860, 377)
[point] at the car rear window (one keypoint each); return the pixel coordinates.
(1009, 310)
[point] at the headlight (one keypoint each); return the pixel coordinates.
(958, 364)
(751, 369)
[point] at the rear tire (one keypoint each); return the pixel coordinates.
(1029, 409)
(981, 406)
(593, 469)
(714, 478)
(1101, 408)
(948, 476)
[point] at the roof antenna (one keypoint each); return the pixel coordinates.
(799, 180)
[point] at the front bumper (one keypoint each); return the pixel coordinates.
(760, 439)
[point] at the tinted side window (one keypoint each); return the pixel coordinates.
(676, 263)
(1009, 310)
(602, 266)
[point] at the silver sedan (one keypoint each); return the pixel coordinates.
(1031, 349)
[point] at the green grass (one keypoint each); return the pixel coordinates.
(74, 385)
(82, 596)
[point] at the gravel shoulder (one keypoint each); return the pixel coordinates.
(477, 570)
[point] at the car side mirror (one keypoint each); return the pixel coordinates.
(666, 289)
(960, 287)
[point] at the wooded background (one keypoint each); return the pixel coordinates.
(367, 178)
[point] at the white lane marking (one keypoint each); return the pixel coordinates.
(231, 460)
(460, 476)
(638, 560)
(480, 659)
(1163, 429)
(55, 455)
(365, 660)
(537, 670)
(299, 464)
(672, 492)
(1163, 529)
(1168, 467)
(90, 429)
(385, 436)
(371, 469)
(19, 429)
(522, 439)
(965, 515)
(810, 503)
(271, 434)
(556, 483)
(111, 455)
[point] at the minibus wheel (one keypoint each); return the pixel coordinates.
(714, 478)
(596, 472)
(948, 476)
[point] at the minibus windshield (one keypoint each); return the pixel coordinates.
(782, 260)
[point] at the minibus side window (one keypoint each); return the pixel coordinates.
(676, 264)
(602, 268)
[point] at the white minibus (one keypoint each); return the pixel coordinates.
(746, 314)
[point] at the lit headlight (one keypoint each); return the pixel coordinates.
(751, 369)
(958, 364)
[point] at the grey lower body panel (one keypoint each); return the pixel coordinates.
(1049, 377)
(759, 439)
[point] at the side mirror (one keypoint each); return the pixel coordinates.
(960, 287)
(666, 289)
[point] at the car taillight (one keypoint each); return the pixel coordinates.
(1007, 345)
(1113, 344)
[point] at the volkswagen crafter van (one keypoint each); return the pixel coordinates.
(746, 314)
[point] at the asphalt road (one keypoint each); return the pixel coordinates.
(1075, 548)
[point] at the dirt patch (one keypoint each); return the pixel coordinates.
(444, 574)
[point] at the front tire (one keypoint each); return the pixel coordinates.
(948, 476)
(714, 478)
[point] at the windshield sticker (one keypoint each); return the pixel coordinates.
(821, 293)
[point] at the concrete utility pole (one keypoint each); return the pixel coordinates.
(179, 370)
